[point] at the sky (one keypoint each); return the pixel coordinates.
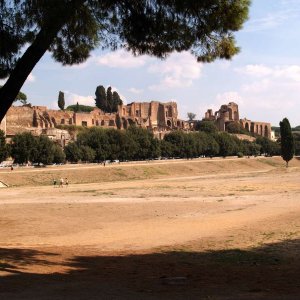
(263, 79)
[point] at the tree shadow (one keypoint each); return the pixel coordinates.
(271, 271)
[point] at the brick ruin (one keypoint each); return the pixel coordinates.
(229, 113)
(159, 118)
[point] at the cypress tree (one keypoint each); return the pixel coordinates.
(287, 141)
(101, 100)
(116, 101)
(109, 98)
(61, 100)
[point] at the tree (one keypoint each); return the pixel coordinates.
(58, 154)
(116, 101)
(87, 153)
(43, 151)
(23, 147)
(101, 101)
(71, 29)
(191, 116)
(207, 126)
(287, 141)
(61, 100)
(80, 107)
(109, 98)
(72, 152)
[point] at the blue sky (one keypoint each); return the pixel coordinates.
(264, 79)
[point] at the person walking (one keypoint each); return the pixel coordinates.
(61, 183)
(66, 182)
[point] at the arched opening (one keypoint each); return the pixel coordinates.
(247, 126)
(169, 123)
(261, 130)
(102, 123)
(252, 127)
(178, 123)
(266, 131)
(111, 123)
(230, 113)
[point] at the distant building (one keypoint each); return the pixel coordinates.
(229, 113)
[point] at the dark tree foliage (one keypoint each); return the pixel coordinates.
(43, 151)
(58, 154)
(268, 147)
(206, 126)
(116, 101)
(3, 147)
(27, 148)
(71, 29)
(23, 148)
(101, 101)
(118, 121)
(87, 154)
(61, 100)
(72, 152)
(236, 127)
(109, 99)
(80, 108)
(227, 143)
(287, 141)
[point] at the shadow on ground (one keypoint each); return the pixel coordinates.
(268, 272)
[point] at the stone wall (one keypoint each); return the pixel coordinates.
(159, 118)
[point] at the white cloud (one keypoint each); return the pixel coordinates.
(121, 59)
(135, 91)
(71, 98)
(290, 72)
(257, 86)
(178, 71)
(255, 70)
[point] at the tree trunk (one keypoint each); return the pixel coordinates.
(24, 66)
(31, 57)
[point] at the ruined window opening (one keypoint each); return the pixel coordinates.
(84, 123)
(62, 121)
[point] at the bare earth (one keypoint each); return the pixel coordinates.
(201, 229)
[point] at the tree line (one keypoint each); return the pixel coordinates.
(135, 143)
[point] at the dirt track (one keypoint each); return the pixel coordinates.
(196, 230)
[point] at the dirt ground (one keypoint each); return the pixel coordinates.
(201, 229)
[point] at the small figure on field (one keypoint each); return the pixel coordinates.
(54, 182)
(61, 183)
(11, 168)
(66, 182)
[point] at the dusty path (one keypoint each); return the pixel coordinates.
(222, 235)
